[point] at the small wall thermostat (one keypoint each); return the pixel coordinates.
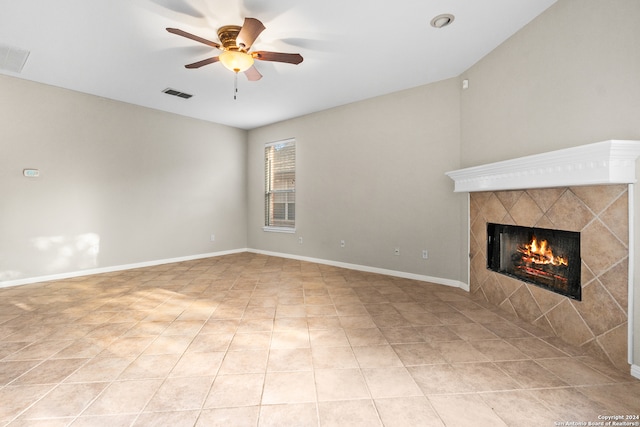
(31, 173)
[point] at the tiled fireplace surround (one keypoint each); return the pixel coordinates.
(583, 189)
(598, 323)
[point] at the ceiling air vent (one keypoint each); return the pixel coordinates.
(177, 93)
(12, 58)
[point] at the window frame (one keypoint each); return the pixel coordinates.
(269, 193)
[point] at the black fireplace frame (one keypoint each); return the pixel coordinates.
(573, 288)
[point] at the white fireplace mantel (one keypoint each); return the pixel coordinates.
(607, 162)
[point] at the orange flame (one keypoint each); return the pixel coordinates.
(540, 253)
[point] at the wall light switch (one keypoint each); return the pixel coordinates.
(31, 173)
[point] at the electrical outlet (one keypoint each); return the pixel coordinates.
(342, 245)
(425, 254)
(213, 237)
(300, 240)
(396, 251)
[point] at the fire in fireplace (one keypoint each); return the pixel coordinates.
(544, 257)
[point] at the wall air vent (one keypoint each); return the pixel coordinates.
(177, 93)
(12, 58)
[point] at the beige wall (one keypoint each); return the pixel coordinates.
(569, 78)
(371, 173)
(119, 184)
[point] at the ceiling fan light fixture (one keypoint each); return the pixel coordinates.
(236, 60)
(442, 21)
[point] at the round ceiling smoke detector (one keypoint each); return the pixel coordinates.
(441, 21)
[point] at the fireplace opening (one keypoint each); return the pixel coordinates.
(540, 256)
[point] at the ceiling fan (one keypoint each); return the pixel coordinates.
(235, 43)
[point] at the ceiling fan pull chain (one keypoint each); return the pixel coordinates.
(235, 86)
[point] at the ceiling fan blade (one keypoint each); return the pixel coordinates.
(289, 58)
(252, 74)
(249, 32)
(193, 37)
(203, 62)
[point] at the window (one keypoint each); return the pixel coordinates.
(280, 186)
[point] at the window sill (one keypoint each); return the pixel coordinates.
(279, 229)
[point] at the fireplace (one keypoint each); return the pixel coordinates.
(583, 189)
(546, 258)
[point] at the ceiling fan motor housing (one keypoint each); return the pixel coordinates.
(228, 35)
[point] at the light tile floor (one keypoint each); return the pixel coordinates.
(247, 340)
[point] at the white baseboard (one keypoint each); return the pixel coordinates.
(368, 269)
(635, 371)
(90, 272)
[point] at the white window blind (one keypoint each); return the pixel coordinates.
(280, 185)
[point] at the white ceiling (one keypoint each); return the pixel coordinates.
(119, 49)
